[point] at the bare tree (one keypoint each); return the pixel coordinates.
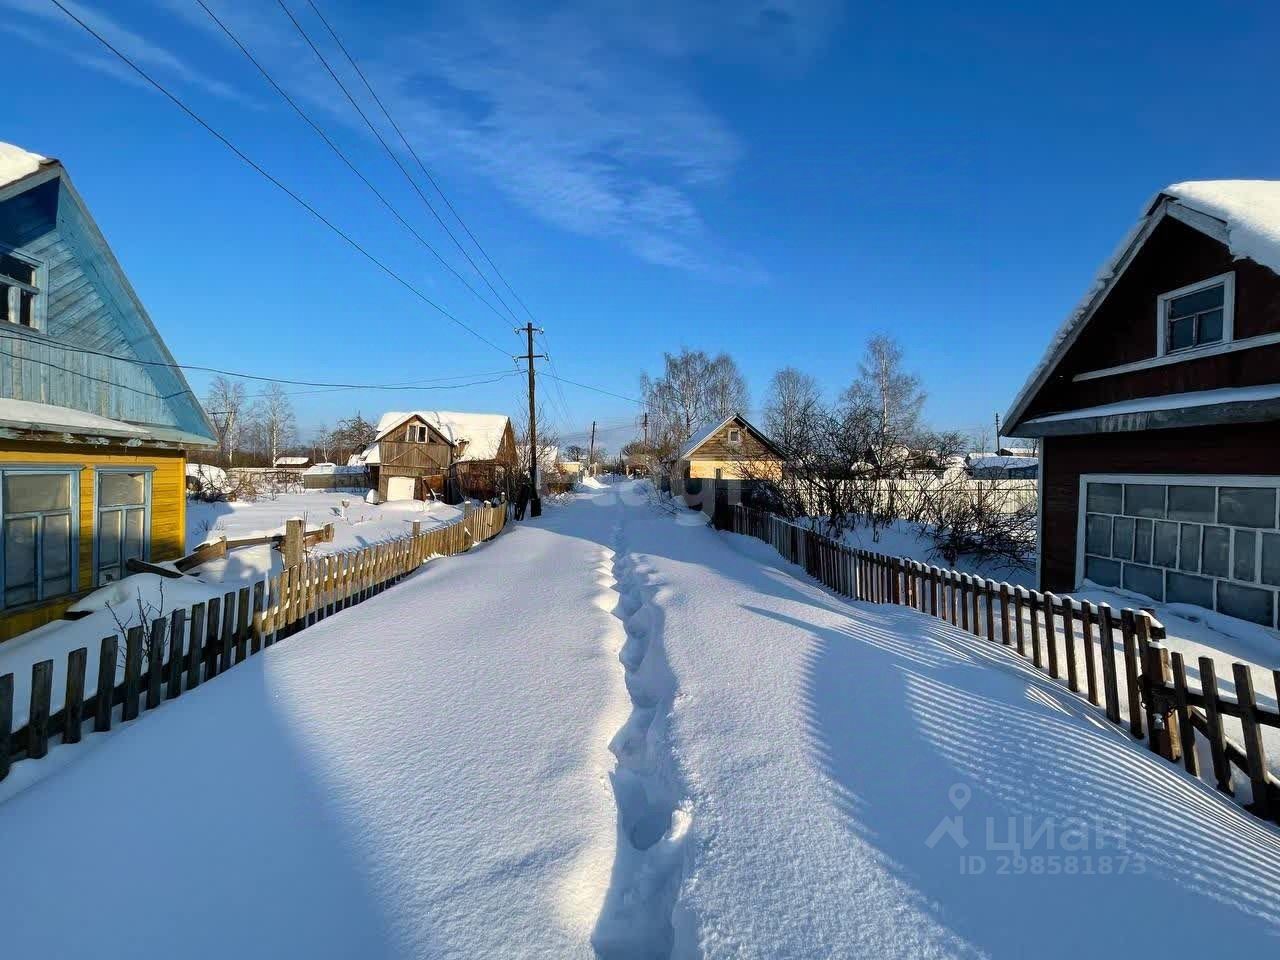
(225, 402)
(321, 444)
(273, 415)
(889, 392)
(351, 435)
(548, 444)
(694, 390)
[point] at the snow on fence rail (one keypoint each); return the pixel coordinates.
(196, 645)
(1138, 683)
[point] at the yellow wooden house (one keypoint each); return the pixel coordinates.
(95, 418)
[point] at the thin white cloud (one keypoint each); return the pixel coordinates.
(45, 18)
(590, 120)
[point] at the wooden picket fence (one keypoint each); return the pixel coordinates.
(1108, 650)
(190, 647)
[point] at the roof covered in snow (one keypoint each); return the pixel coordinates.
(701, 437)
(47, 418)
(1152, 412)
(292, 461)
(480, 434)
(1249, 210)
(995, 461)
(16, 163)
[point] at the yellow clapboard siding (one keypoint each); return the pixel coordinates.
(168, 510)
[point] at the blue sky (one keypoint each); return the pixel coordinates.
(778, 179)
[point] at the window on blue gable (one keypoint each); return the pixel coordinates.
(20, 294)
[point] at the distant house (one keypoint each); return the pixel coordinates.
(292, 463)
(95, 420)
(997, 466)
(1157, 404)
(730, 449)
(455, 455)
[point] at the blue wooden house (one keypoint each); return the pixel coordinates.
(95, 420)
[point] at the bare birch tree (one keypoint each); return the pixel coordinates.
(225, 402)
(278, 425)
(694, 390)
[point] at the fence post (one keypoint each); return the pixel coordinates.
(1255, 756)
(1107, 645)
(1213, 724)
(1004, 615)
(1187, 733)
(1131, 672)
(1162, 723)
(1051, 633)
(293, 534)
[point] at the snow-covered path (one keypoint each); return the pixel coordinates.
(841, 759)
(423, 775)
(615, 732)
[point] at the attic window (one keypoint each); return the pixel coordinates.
(735, 435)
(20, 296)
(1195, 316)
(417, 433)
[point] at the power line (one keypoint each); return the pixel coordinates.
(273, 180)
(491, 378)
(345, 159)
(417, 159)
(390, 153)
(587, 386)
(196, 368)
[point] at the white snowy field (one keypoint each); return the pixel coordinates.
(615, 732)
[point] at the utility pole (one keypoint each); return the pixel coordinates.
(997, 450)
(535, 503)
(591, 450)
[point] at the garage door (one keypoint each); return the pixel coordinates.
(1209, 541)
(400, 488)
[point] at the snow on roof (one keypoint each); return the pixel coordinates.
(990, 461)
(291, 461)
(42, 416)
(367, 457)
(699, 438)
(332, 468)
(16, 163)
(1249, 208)
(1170, 401)
(482, 432)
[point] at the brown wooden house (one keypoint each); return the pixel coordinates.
(731, 449)
(421, 453)
(1157, 407)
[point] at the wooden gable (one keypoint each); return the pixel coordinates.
(1111, 354)
(753, 444)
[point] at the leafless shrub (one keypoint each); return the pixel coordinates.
(145, 616)
(982, 520)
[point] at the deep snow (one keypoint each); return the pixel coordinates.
(615, 731)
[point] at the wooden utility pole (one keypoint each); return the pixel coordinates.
(535, 502)
(591, 450)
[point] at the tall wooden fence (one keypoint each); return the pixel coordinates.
(192, 646)
(1117, 660)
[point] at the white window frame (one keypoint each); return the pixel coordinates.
(38, 289)
(148, 471)
(73, 471)
(1228, 283)
(417, 433)
(735, 435)
(1187, 480)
